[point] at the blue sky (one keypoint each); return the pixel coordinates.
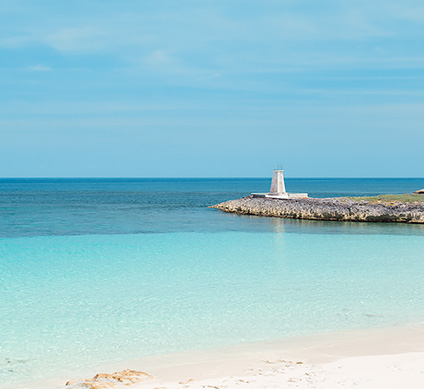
(211, 88)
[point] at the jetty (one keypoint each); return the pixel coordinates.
(408, 208)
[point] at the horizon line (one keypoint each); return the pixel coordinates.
(199, 177)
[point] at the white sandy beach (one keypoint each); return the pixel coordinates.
(404, 370)
(372, 358)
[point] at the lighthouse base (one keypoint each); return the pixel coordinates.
(281, 196)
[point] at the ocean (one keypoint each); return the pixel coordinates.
(94, 271)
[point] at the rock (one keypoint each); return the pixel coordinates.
(106, 380)
(186, 382)
(334, 209)
(420, 191)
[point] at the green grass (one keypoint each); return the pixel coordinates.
(390, 198)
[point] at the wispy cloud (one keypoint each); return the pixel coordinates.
(84, 39)
(209, 76)
(39, 68)
(13, 42)
(161, 59)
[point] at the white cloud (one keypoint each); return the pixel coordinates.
(209, 76)
(163, 61)
(76, 39)
(13, 42)
(161, 58)
(101, 36)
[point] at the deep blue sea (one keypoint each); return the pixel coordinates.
(64, 207)
(94, 271)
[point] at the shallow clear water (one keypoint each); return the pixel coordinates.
(95, 271)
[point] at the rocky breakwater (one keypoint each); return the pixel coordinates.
(336, 209)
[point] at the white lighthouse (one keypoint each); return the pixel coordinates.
(278, 188)
(277, 184)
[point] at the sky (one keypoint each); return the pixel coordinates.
(211, 88)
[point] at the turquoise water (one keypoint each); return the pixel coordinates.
(95, 272)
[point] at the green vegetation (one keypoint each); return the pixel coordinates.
(391, 198)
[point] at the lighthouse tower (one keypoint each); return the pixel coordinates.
(278, 188)
(277, 184)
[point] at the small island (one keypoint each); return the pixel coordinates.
(404, 208)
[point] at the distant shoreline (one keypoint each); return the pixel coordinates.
(330, 209)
